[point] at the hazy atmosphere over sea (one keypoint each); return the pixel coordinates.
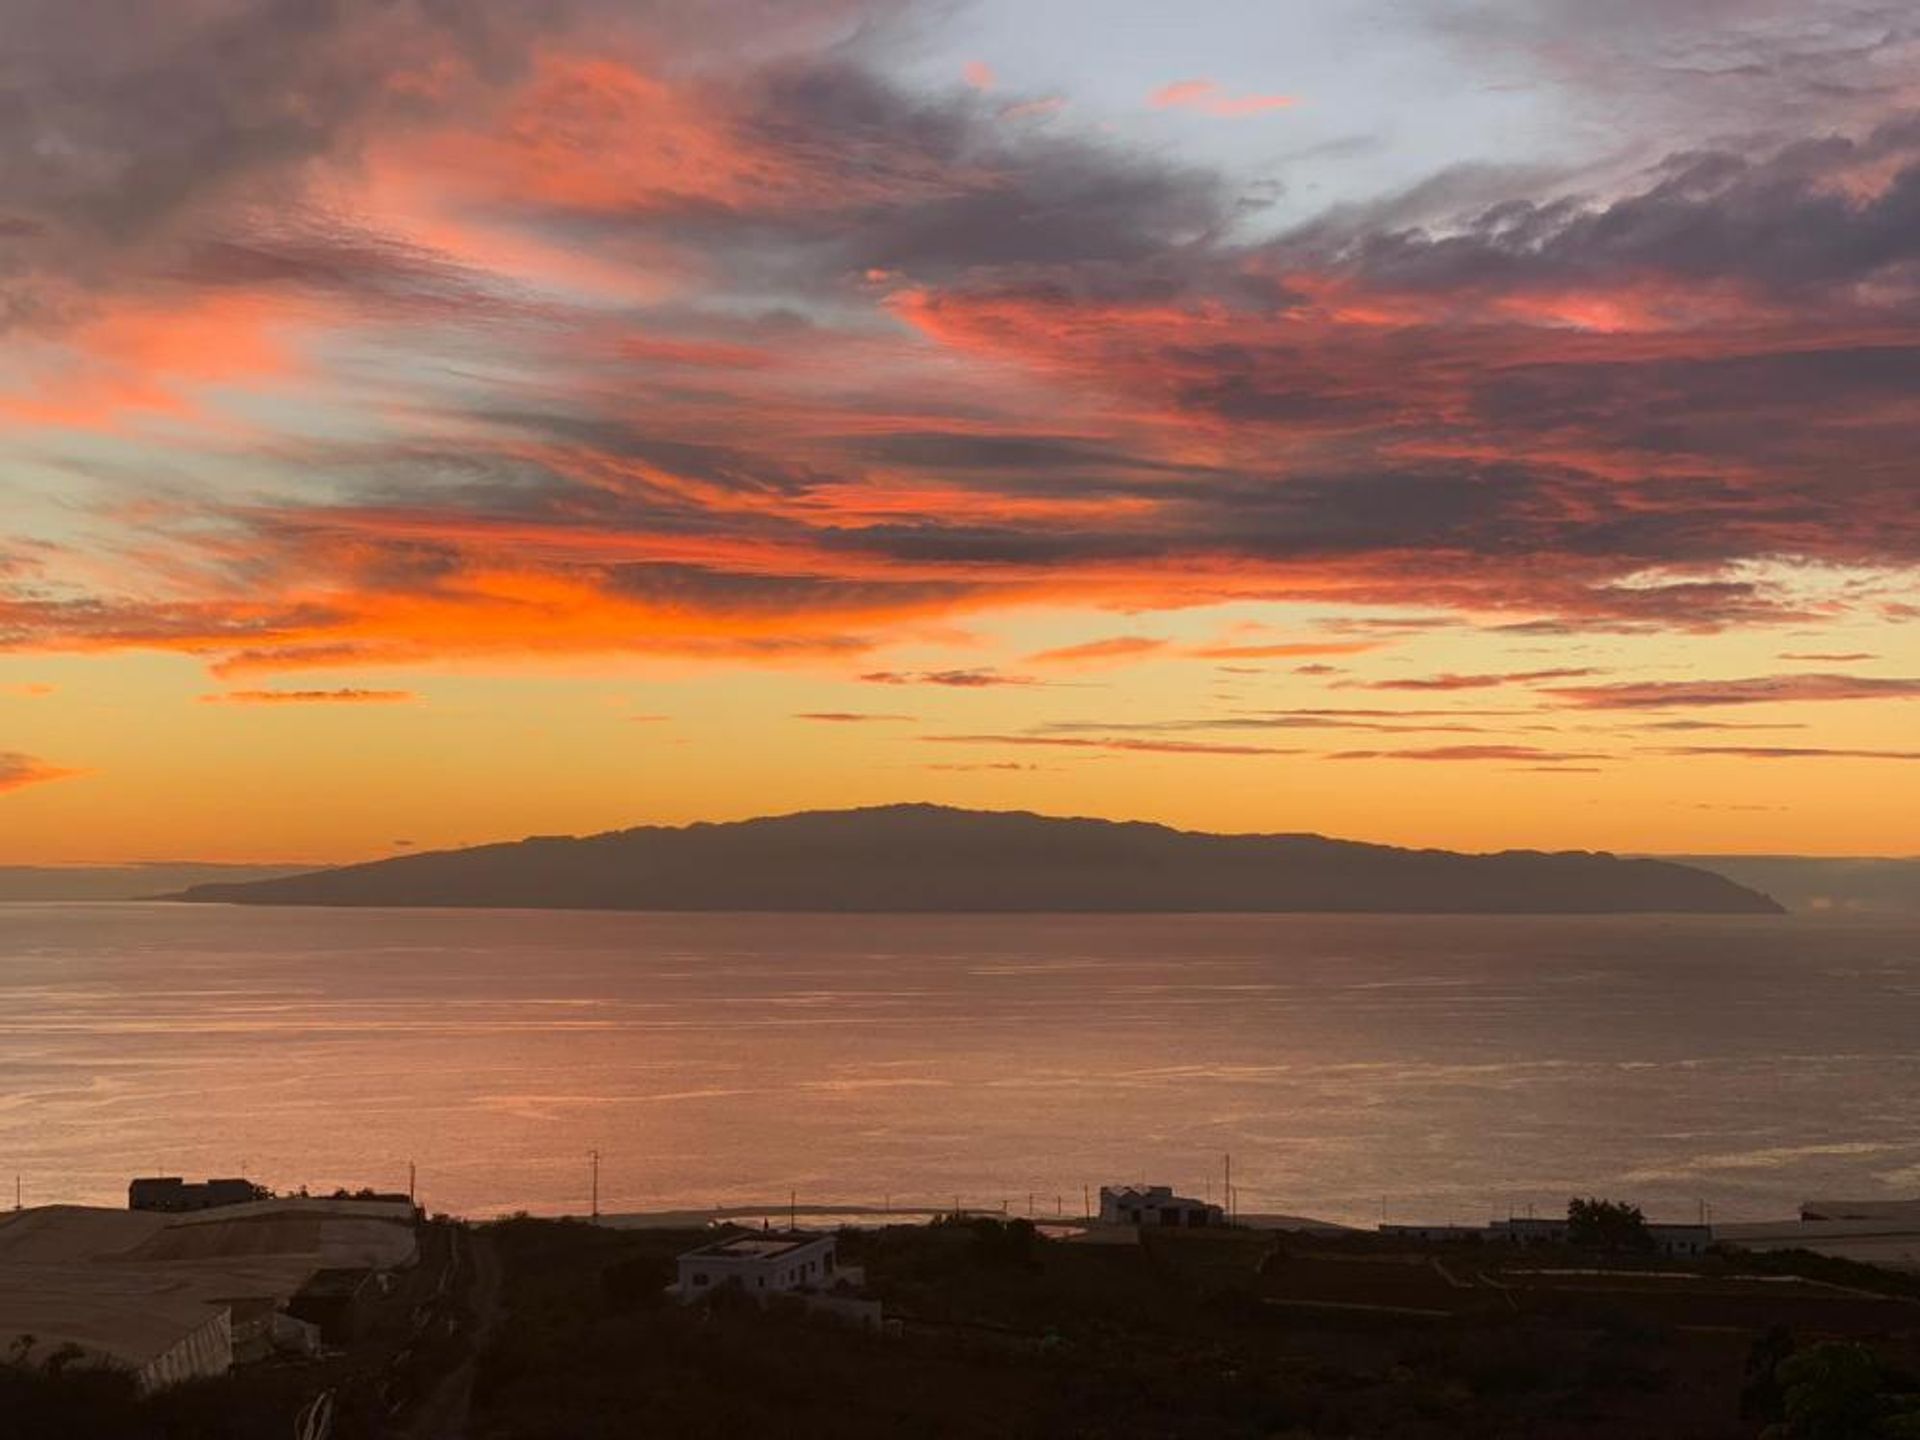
(1439, 1068)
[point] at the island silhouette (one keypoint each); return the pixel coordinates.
(931, 858)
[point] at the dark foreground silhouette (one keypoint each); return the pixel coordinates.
(929, 858)
(995, 1331)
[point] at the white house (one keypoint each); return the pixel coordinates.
(762, 1264)
(1154, 1205)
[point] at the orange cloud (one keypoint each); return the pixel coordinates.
(1119, 647)
(154, 359)
(17, 771)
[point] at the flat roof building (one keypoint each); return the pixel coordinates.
(172, 1195)
(766, 1263)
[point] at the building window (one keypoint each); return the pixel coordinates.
(699, 1277)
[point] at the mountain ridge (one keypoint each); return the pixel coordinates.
(922, 858)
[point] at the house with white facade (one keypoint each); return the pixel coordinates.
(762, 1264)
(1155, 1205)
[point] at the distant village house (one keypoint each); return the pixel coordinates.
(1155, 1205)
(759, 1263)
(791, 1267)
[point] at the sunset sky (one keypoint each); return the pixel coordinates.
(1427, 421)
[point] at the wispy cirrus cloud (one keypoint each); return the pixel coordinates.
(1286, 650)
(1469, 682)
(1471, 753)
(1123, 743)
(970, 767)
(851, 717)
(1751, 690)
(1791, 752)
(343, 696)
(950, 679)
(1115, 648)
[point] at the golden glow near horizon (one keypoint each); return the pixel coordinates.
(576, 421)
(169, 764)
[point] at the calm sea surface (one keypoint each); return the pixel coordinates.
(1443, 1068)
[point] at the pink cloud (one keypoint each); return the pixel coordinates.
(1207, 97)
(1036, 109)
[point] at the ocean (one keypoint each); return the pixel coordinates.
(1420, 1068)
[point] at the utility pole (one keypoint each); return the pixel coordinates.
(594, 1156)
(793, 1209)
(412, 1179)
(1086, 1201)
(16, 1193)
(1226, 1192)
